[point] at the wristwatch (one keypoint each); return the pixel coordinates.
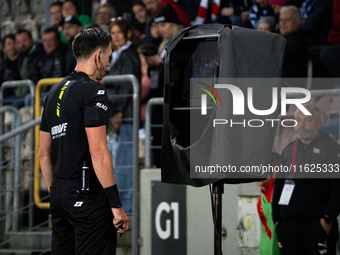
(328, 220)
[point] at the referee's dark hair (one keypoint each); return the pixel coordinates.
(89, 40)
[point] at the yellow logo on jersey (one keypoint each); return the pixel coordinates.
(58, 109)
(61, 96)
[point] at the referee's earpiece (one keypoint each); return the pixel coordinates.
(102, 65)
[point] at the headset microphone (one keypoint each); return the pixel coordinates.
(106, 72)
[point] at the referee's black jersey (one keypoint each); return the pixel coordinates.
(71, 105)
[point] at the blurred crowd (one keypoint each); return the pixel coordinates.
(141, 28)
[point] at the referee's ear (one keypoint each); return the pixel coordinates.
(97, 54)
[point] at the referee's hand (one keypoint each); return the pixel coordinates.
(120, 220)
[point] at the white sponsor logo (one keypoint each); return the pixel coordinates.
(316, 150)
(321, 244)
(324, 251)
(101, 92)
(100, 105)
(59, 130)
(78, 204)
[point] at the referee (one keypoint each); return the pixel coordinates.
(74, 157)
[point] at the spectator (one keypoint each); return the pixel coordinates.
(290, 20)
(306, 7)
(104, 15)
(93, 25)
(145, 85)
(51, 63)
(277, 5)
(123, 8)
(156, 74)
(260, 9)
(330, 55)
(296, 3)
(69, 8)
(71, 27)
(182, 14)
(123, 45)
(317, 21)
(331, 128)
(222, 20)
(266, 24)
(234, 8)
(125, 60)
(306, 218)
(55, 13)
(169, 24)
(28, 64)
(84, 6)
(296, 52)
(155, 70)
(152, 6)
(9, 66)
(191, 7)
(155, 36)
(151, 31)
(141, 16)
(29, 54)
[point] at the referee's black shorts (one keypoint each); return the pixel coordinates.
(81, 221)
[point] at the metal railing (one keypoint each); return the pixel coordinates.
(148, 126)
(17, 187)
(16, 84)
(10, 85)
(15, 155)
(110, 80)
(15, 216)
(37, 171)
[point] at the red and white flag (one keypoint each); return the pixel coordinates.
(202, 12)
(215, 9)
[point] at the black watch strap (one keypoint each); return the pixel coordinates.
(328, 220)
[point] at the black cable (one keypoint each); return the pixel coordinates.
(107, 72)
(94, 70)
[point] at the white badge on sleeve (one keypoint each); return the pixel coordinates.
(287, 192)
